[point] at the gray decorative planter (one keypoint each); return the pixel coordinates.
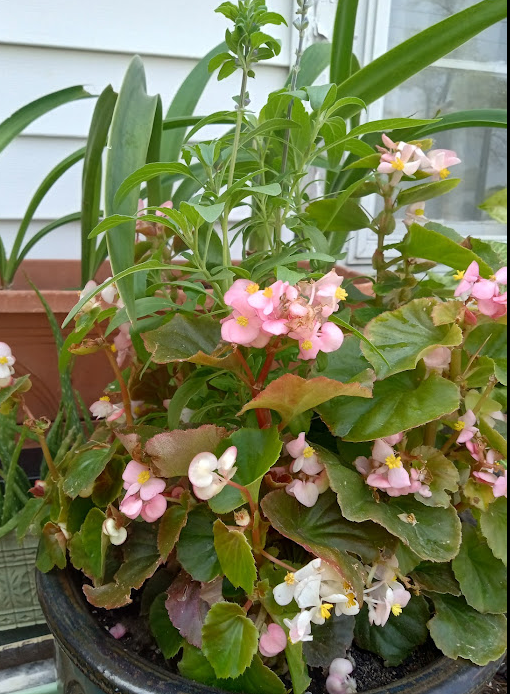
(90, 662)
(19, 606)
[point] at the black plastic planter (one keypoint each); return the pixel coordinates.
(91, 662)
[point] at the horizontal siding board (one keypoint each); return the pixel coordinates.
(61, 244)
(177, 28)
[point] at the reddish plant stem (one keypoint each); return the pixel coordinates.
(276, 561)
(248, 606)
(126, 399)
(44, 446)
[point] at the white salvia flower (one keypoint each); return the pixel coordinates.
(209, 476)
(116, 535)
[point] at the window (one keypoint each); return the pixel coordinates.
(473, 76)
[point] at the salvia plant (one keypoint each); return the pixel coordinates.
(287, 460)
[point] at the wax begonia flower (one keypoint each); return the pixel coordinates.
(392, 472)
(305, 491)
(167, 205)
(266, 300)
(7, 362)
(138, 479)
(466, 427)
(381, 605)
(117, 535)
(499, 484)
(273, 642)
(402, 163)
(243, 327)
(151, 511)
(110, 294)
(210, 475)
(467, 279)
(439, 162)
(118, 631)
(102, 408)
(285, 593)
(415, 214)
(439, 360)
(328, 293)
(88, 290)
(495, 308)
(123, 344)
(339, 680)
(300, 628)
(305, 457)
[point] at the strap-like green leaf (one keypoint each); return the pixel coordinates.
(343, 41)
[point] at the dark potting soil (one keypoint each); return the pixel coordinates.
(370, 672)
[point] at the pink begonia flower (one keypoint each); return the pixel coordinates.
(118, 631)
(305, 491)
(168, 205)
(501, 487)
(210, 475)
(415, 214)
(7, 362)
(266, 300)
(328, 293)
(273, 642)
(123, 344)
(138, 479)
(466, 427)
(300, 628)
(402, 163)
(339, 680)
(117, 535)
(328, 338)
(499, 484)
(438, 360)
(416, 486)
(243, 328)
(495, 308)
(467, 279)
(151, 511)
(439, 162)
(390, 146)
(239, 293)
(305, 457)
(392, 472)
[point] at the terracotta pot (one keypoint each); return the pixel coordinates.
(24, 326)
(91, 662)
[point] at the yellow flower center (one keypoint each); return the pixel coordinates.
(326, 610)
(252, 288)
(394, 461)
(113, 348)
(309, 452)
(105, 398)
(347, 586)
(398, 165)
(493, 278)
(397, 610)
(144, 477)
(459, 426)
(290, 579)
(307, 345)
(352, 600)
(341, 294)
(444, 173)
(420, 213)
(459, 276)
(268, 293)
(243, 321)
(4, 360)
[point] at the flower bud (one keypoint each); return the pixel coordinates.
(117, 534)
(242, 518)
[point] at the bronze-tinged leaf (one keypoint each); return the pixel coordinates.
(186, 609)
(134, 439)
(291, 395)
(172, 452)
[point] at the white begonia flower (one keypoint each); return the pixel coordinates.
(110, 294)
(103, 408)
(7, 362)
(87, 290)
(337, 591)
(209, 476)
(116, 535)
(385, 601)
(286, 592)
(300, 628)
(339, 680)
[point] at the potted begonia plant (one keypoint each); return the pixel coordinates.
(287, 475)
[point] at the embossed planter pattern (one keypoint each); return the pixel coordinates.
(19, 606)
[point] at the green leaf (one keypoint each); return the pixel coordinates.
(482, 577)
(461, 632)
(167, 636)
(409, 58)
(493, 524)
(427, 244)
(183, 338)
(189, 389)
(325, 536)
(400, 637)
(330, 641)
(19, 385)
(130, 135)
(495, 439)
(298, 668)
(21, 119)
(441, 474)
(108, 486)
(172, 452)
(147, 173)
(85, 468)
(400, 403)
(272, 189)
(475, 118)
(494, 253)
(436, 535)
(231, 640)
(257, 452)
(386, 125)
(436, 578)
(209, 213)
(87, 548)
(497, 206)
(291, 395)
(236, 558)
(407, 335)
(490, 340)
(171, 526)
(339, 215)
(195, 549)
(343, 41)
(427, 191)
(52, 549)
(257, 679)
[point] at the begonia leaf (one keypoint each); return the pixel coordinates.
(435, 536)
(448, 312)
(186, 609)
(257, 452)
(400, 403)
(235, 556)
(494, 524)
(407, 335)
(172, 452)
(230, 640)
(401, 635)
(257, 679)
(347, 365)
(443, 473)
(182, 338)
(84, 468)
(496, 440)
(171, 526)
(87, 548)
(326, 536)
(108, 486)
(195, 550)
(52, 549)
(291, 395)
(134, 439)
(482, 577)
(436, 578)
(459, 631)
(330, 641)
(167, 636)
(490, 340)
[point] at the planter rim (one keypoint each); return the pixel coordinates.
(27, 301)
(105, 661)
